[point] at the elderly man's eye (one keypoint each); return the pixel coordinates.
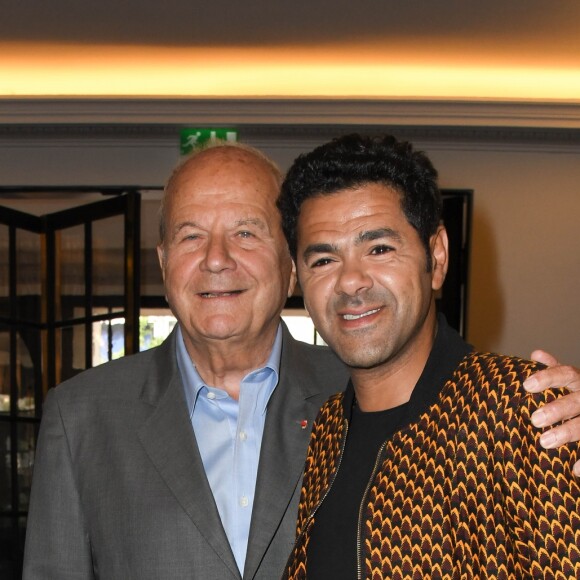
(320, 262)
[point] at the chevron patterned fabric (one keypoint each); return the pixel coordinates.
(464, 492)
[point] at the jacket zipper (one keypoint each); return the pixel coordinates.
(313, 512)
(360, 512)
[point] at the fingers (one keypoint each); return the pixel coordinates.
(565, 433)
(544, 357)
(554, 376)
(565, 409)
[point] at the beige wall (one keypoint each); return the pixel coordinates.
(525, 259)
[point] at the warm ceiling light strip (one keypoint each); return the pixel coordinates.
(135, 72)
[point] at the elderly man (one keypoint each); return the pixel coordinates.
(427, 465)
(147, 467)
(185, 461)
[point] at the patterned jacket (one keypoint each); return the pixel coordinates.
(463, 491)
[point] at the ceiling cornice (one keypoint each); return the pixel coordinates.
(290, 112)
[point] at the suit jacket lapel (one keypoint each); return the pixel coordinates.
(282, 454)
(169, 441)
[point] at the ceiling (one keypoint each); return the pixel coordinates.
(372, 48)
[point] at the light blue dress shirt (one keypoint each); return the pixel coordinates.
(229, 436)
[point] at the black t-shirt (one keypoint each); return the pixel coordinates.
(334, 540)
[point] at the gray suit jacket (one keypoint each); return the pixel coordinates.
(119, 491)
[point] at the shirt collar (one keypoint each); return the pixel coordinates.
(193, 383)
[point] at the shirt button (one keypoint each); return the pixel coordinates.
(244, 501)
(211, 395)
(243, 436)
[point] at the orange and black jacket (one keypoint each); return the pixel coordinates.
(464, 490)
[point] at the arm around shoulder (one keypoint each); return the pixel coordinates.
(563, 413)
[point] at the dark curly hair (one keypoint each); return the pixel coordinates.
(354, 160)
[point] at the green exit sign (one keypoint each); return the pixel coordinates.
(192, 138)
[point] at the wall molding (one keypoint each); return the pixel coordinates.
(283, 136)
(276, 111)
(284, 123)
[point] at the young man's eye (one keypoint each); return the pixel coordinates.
(382, 249)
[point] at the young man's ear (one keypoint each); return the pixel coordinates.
(439, 245)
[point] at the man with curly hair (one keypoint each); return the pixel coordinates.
(427, 465)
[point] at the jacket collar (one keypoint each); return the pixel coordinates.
(447, 352)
